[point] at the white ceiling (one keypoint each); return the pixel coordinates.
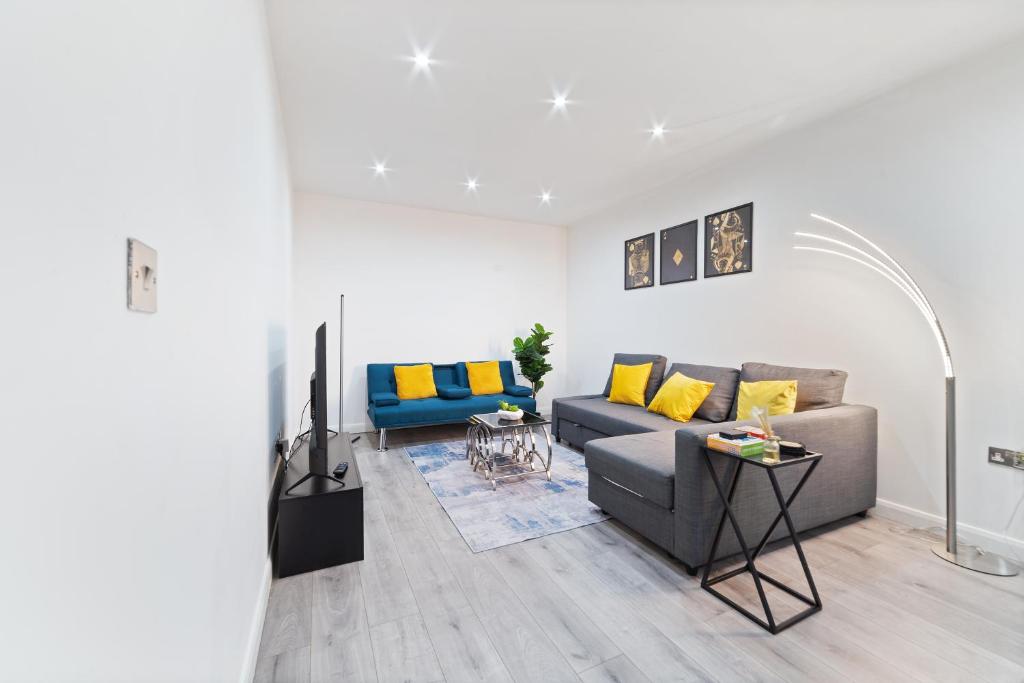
(721, 75)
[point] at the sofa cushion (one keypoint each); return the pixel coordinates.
(658, 364)
(615, 419)
(415, 381)
(516, 390)
(777, 395)
(816, 389)
(643, 463)
(484, 378)
(450, 391)
(629, 384)
(679, 397)
(384, 398)
(717, 406)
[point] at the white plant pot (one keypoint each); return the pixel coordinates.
(506, 415)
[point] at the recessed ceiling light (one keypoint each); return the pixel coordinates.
(422, 61)
(380, 168)
(657, 132)
(559, 101)
(545, 197)
(471, 184)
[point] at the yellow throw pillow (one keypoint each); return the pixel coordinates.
(629, 382)
(484, 378)
(679, 397)
(415, 381)
(778, 395)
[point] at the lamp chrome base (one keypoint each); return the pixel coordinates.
(977, 560)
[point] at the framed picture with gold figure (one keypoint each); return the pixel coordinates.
(729, 241)
(640, 262)
(679, 253)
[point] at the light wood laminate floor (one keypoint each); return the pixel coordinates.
(600, 603)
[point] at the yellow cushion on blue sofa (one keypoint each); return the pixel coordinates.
(415, 381)
(680, 396)
(484, 378)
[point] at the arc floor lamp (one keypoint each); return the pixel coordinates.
(969, 557)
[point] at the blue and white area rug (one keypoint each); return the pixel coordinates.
(520, 509)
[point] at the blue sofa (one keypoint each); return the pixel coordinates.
(453, 404)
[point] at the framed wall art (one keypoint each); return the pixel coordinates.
(728, 241)
(679, 253)
(639, 262)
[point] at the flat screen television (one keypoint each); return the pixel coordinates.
(318, 406)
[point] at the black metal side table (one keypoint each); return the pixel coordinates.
(707, 581)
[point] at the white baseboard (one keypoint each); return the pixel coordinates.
(989, 540)
(252, 651)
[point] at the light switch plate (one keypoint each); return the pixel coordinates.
(141, 277)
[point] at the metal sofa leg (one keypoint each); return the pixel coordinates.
(382, 440)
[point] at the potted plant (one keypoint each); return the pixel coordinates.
(530, 353)
(507, 411)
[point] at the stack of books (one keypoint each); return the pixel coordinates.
(746, 446)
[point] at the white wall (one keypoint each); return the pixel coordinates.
(419, 285)
(933, 172)
(138, 447)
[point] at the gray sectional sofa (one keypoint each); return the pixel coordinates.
(648, 471)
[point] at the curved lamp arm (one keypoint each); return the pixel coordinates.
(889, 268)
(895, 274)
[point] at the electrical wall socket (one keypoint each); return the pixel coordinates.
(1004, 456)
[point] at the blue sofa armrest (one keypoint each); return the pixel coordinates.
(451, 391)
(384, 398)
(516, 390)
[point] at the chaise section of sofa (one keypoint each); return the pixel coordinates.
(633, 479)
(844, 484)
(650, 473)
(658, 483)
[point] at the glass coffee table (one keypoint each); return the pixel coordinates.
(508, 448)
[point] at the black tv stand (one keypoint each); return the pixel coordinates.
(309, 476)
(319, 524)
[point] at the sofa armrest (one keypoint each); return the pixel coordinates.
(575, 398)
(517, 390)
(844, 483)
(384, 398)
(554, 410)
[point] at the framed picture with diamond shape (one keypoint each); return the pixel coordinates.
(679, 253)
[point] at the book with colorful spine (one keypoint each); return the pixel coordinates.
(743, 447)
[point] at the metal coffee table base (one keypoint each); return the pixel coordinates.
(517, 455)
